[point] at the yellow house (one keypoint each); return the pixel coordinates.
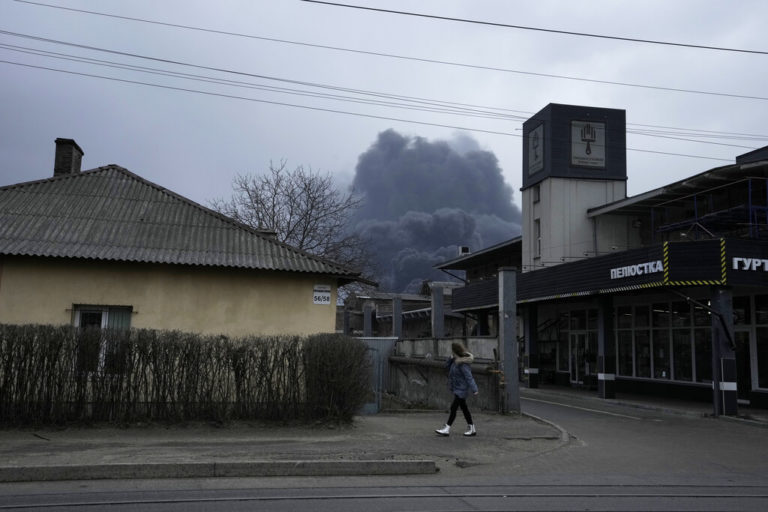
(108, 248)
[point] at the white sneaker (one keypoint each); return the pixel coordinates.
(470, 431)
(446, 430)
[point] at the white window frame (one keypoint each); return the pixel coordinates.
(104, 310)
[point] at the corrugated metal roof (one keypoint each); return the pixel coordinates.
(702, 182)
(110, 213)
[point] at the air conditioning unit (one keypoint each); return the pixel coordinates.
(463, 250)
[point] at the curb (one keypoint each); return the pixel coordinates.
(217, 470)
(564, 435)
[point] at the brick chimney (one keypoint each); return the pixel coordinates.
(68, 157)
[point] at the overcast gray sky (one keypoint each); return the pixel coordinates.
(194, 143)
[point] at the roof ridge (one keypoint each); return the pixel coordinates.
(230, 220)
(337, 267)
(51, 179)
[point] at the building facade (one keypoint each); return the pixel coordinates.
(107, 248)
(665, 292)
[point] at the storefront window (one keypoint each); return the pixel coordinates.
(701, 317)
(741, 311)
(703, 346)
(624, 317)
(562, 351)
(660, 313)
(643, 353)
(661, 354)
(681, 314)
(591, 355)
(761, 309)
(579, 320)
(681, 346)
(762, 357)
(642, 316)
(592, 319)
(625, 353)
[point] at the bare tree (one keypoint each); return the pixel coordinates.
(303, 208)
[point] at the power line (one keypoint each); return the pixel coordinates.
(320, 109)
(424, 106)
(309, 84)
(419, 104)
(433, 105)
(537, 29)
(399, 57)
(413, 104)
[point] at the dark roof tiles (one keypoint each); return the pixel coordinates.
(112, 214)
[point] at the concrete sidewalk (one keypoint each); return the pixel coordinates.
(647, 402)
(393, 443)
(388, 443)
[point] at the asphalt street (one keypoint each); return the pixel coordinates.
(614, 458)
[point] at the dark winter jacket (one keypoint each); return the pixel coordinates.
(460, 380)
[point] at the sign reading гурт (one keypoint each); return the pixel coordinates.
(753, 264)
(650, 267)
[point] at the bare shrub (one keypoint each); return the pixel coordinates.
(59, 374)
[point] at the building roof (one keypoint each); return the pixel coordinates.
(111, 214)
(750, 165)
(467, 261)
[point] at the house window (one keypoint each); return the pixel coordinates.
(99, 346)
(537, 238)
(536, 193)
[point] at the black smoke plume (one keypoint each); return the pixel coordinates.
(422, 200)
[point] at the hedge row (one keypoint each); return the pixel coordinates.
(59, 374)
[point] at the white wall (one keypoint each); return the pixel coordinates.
(566, 231)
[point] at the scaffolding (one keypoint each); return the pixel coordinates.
(738, 209)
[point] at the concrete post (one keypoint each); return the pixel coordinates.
(531, 363)
(368, 320)
(347, 324)
(438, 317)
(724, 390)
(508, 350)
(606, 349)
(397, 317)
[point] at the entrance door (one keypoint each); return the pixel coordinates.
(743, 366)
(578, 345)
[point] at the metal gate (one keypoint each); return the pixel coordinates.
(379, 350)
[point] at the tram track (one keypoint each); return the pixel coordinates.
(748, 497)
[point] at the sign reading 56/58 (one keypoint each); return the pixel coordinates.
(321, 294)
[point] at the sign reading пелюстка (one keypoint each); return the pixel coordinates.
(650, 267)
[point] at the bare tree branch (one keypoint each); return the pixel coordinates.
(304, 208)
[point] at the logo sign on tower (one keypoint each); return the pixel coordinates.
(536, 149)
(588, 144)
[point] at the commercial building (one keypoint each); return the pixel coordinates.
(665, 292)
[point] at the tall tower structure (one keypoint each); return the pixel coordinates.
(574, 158)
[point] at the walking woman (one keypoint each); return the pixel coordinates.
(461, 382)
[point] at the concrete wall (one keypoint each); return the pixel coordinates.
(418, 374)
(566, 231)
(424, 383)
(616, 231)
(481, 347)
(195, 299)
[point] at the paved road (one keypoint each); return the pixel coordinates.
(620, 445)
(616, 459)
